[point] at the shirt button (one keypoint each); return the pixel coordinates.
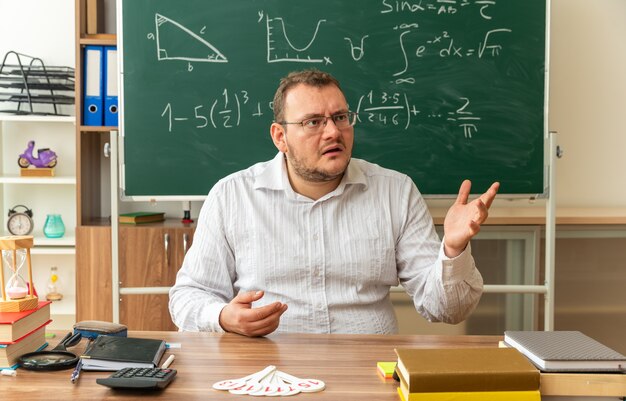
(315, 237)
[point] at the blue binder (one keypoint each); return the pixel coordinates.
(93, 104)
(110, 86)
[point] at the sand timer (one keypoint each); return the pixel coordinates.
(17, 294)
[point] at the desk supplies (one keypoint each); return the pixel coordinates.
(168, 362)
(565, 351)
(270, 382)
(139, 378)
(109, 353)
(349, 359)
(58, 358)
(91, 336)
(466, 369)
(385, 369)
(93, 328)
(30, 87)
(76, 371)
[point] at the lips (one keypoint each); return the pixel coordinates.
(332, 150)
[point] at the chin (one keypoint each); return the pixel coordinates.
(338, 168)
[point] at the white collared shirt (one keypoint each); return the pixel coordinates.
(332, 260)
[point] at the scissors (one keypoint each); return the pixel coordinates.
(56, 359)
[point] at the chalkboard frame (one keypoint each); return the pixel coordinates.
(128, 196)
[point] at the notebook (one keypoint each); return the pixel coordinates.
(565, 351)
(141, 217)
(109, 353)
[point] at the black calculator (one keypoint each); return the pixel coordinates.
(139, 378)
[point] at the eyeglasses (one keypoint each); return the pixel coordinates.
(315, 125)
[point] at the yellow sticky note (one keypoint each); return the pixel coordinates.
(385, 369)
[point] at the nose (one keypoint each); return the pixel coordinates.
(330, 128)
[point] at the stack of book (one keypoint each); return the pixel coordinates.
(474, 374)
(22, 332)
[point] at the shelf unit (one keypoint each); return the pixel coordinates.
(39, 119)
(44, 195)
(149, 255)
(16, 179)
(92, 168)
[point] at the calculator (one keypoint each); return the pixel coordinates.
(139, 378)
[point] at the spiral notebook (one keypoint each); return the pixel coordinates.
(565, 351)
(109, 353)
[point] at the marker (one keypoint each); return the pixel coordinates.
(168, 362)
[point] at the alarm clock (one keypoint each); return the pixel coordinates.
(20, 223)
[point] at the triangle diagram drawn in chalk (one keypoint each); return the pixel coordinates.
(176, 42)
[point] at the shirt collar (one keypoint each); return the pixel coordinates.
(354, 174)
(275, 177)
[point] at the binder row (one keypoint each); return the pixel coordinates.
(100, 107)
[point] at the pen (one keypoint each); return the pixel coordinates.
(76, 372)
(168, 362)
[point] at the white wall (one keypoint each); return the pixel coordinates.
(39, 28)
(588, 101)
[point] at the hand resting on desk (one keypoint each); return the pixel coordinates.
(240, 317)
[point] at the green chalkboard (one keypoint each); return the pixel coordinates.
(444, 90)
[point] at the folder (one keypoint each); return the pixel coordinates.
(110, 86)
(93, 104)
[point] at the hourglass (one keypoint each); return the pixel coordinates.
(17, 295)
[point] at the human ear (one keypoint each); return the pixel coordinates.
(277, 132)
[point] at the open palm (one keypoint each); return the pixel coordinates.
(464, 218)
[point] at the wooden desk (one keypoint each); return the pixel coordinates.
(347, 363)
